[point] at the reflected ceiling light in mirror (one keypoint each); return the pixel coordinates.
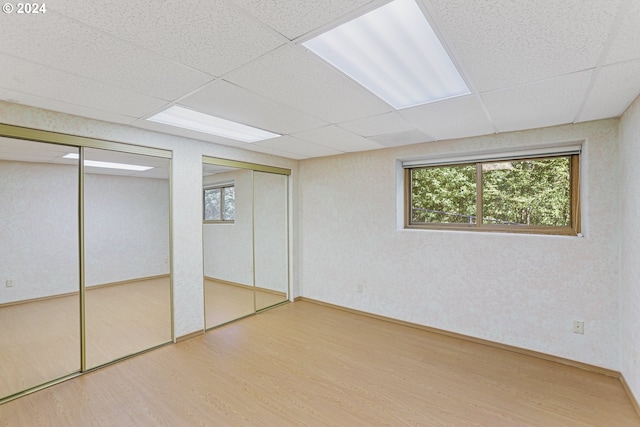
(393, 52)
(194, 120)
(108, 165)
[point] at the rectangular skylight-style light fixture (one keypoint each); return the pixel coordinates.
(108, 165)
(393, 52)
(194, 120)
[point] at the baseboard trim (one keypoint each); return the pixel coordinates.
(88, 288)
(241, 285)
(188, 336)
(632, 397)
(227, 282)
(48, 297)
(125, 282)
(540, 355)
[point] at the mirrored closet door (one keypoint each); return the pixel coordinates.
(245, 239)
(39, 260)
(126, 270)
(227, 243)
(271, 245)
(85, 255)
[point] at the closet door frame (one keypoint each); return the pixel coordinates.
(256, 167)
(81, 142)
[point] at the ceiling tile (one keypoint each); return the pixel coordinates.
(626, 44)
(337, 138)
(615, 87)
(452, 118)
(414, 136)
(211, 36)
(63, 107)
(504, 43)
(546, 103)
(231, 102)
(85, 51)
(35, 79)
(294, 76)
(378, 125)
(299, 147)
(276, 152)
(294, 18)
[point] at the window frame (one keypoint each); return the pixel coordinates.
(574, 182)
(220, 187)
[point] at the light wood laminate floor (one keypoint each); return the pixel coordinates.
(225, 302)
(306, 364)
(40, 340)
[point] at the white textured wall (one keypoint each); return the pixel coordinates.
(126, 228)
(38, 230)
(228, 248)
(521, 290)
(186, 203)
(630, 248)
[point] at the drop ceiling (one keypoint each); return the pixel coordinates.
(528, 64)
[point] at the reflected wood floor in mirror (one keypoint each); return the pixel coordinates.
(40, 340)
(225, 301)
(307, 364)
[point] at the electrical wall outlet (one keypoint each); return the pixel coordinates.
(359, 287)
(578, 327)
(8, 283)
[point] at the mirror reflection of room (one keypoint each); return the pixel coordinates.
(245, 241)
(270, 238)
(39, 258)
(227, 244)
(113, 237)
(127, 270)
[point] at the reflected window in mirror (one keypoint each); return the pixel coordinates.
(219, 203)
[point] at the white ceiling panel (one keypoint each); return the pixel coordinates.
(85, 51)
(277, 152)
(337, 138)
(231, 102)
(529, 64)
(452, 118)
(211, 36)
(377, 125)
(187, 133)
(35, 79)
(546, 103)
(294, 18)
(614, 89)
(299, 147)
(505, 43)
(626, 44)
(294, 76)
(401, 138)
(55, 105)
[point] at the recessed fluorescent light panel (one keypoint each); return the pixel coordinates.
(393, 52)
(108, 165)
(194, 120)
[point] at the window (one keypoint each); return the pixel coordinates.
(219, 203)
(537, 194)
